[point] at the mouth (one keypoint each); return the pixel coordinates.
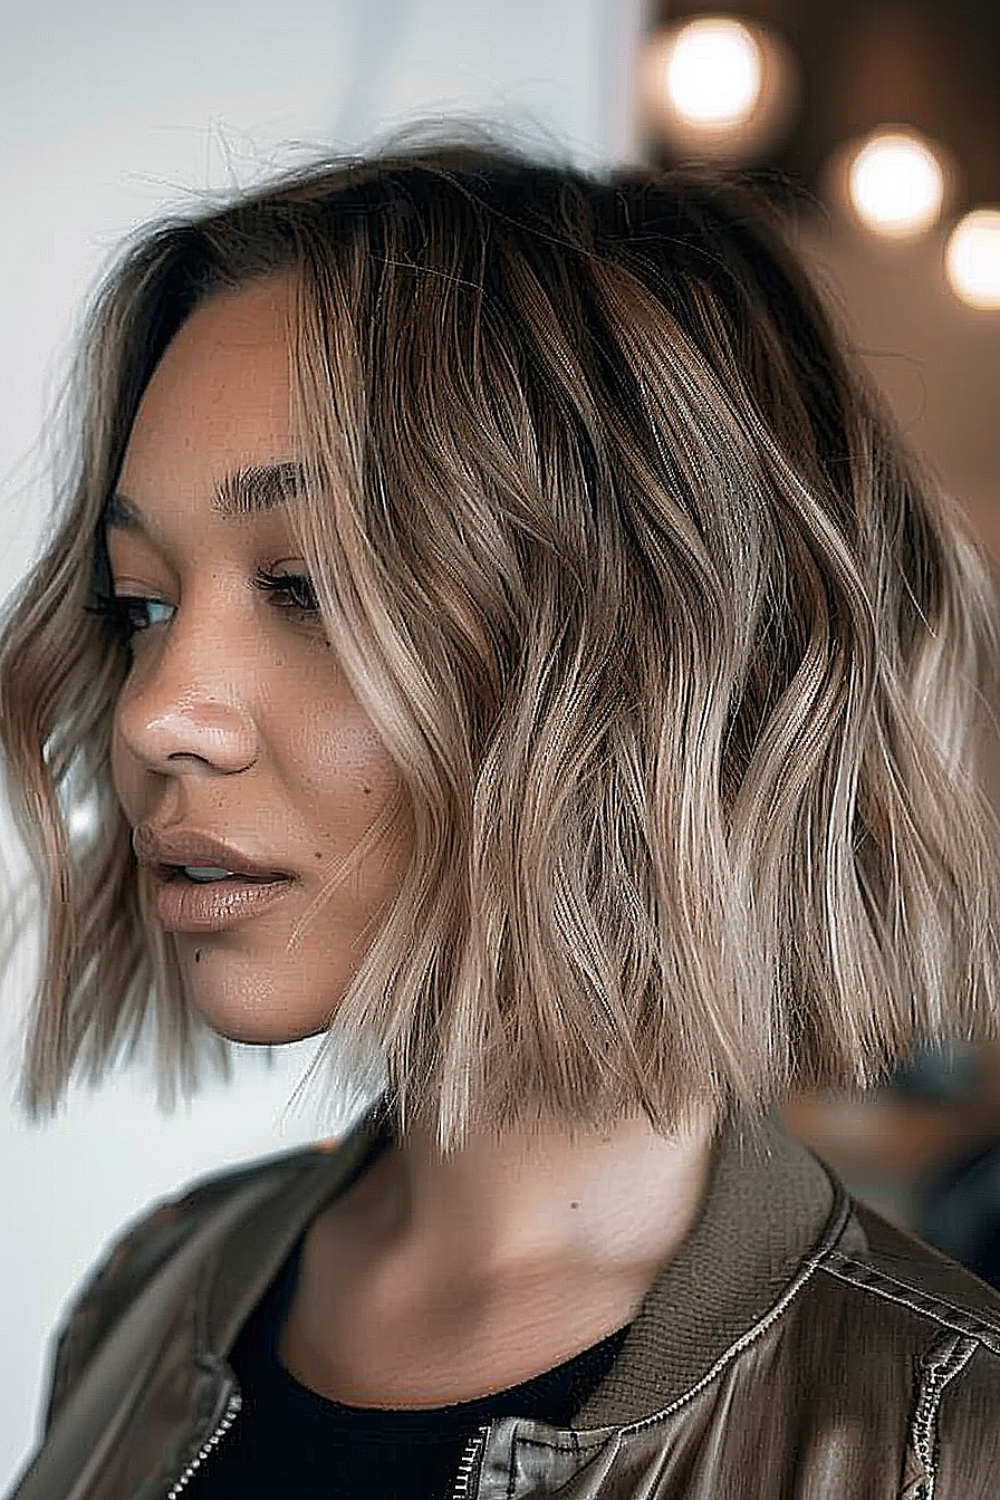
(170, 873)
(185, 904)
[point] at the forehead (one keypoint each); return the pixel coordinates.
(217, 404)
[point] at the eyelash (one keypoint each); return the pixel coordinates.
(118, 608)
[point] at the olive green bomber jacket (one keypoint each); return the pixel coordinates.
(796, 1348)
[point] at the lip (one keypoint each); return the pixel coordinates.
(164, 851)
(182, 905)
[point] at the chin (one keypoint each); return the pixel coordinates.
(253, 1003)
(258, 1030)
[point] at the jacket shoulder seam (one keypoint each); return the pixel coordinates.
(926, 1304)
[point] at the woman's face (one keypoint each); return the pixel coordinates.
(235, 719)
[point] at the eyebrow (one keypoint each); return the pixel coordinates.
(242, 492)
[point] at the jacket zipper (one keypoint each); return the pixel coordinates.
(463, 1484)
(233, 1406)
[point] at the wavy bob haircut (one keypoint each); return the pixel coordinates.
(681, 658)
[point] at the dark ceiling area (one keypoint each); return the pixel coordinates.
(933, 65)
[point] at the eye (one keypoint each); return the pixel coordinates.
(295, 588)
(294, 593)
(121, 609)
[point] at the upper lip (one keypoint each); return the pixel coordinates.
(184, 846)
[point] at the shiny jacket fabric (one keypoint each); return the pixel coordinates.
(797, 1348)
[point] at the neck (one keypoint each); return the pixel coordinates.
(539, 1196)
(491, 1264)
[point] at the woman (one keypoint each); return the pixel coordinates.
(497, 627)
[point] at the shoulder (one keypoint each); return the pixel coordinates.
(145, 1241)
(140, 1247)
(886, 1268)
(929, 1333)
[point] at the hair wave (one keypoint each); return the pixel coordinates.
(680, 656)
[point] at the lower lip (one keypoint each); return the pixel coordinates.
(184, 905)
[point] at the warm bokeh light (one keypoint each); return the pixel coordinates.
(717, 88)
(714, 72)
(896, 183)
(972, 258)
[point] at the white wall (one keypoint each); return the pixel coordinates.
(113, 113)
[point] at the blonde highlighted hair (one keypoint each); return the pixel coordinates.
(681, 658)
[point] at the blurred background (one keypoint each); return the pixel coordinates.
(885, 120)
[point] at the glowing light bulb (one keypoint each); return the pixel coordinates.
(714, 72)
(972, 258)
(896, 184)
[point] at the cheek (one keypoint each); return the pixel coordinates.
(352, 780)
(340, 752)
(122, 768)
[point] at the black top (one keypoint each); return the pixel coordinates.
(287, 1440)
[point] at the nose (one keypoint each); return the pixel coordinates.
(207, 732)
(172, 710)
